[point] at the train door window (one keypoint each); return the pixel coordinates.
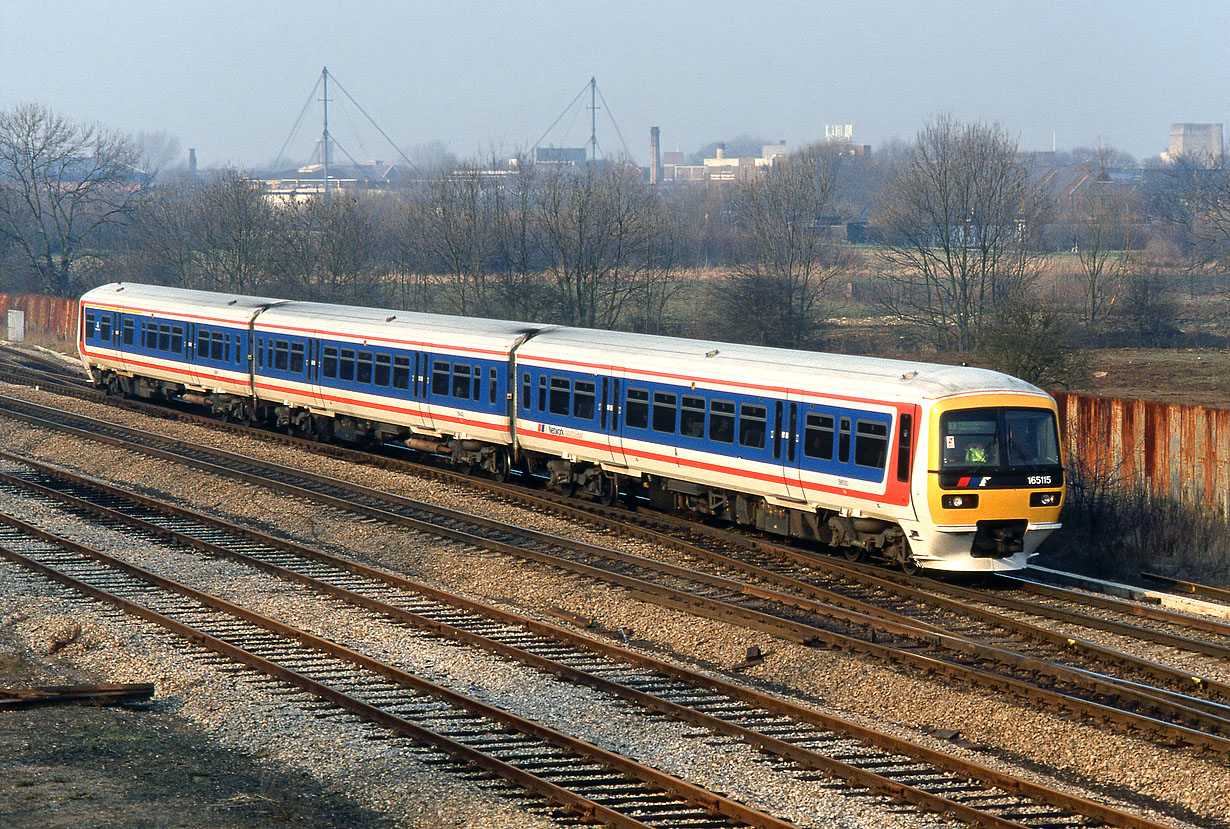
(636, 412)
(128, 332)
(345, 365)
(363, 367)
(602, 406)
(380, 376)
(692, 417)
(281, 355)
(615, 406)
(226, 348)
(870, 443)
(177, 339)
(791, 440)
(420, 385)
(329, 362)
(104, 327)
(665, 405)
(492, 388)
(583, 400)
(526, 389)
(753, 420)
(477, 391)
(401, 373)
(461, 380)
(843, 441)
(238, 351)
(151, 336)
(818, 436)
(561, 388)
(722, 421)
(542, 392)
(89, 326)
(904, 429)
(777, 429)
(296, 357)
(439, 378)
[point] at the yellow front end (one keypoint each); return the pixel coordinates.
(993, 482)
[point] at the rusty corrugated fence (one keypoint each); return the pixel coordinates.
(1175, 450)
(49, 316)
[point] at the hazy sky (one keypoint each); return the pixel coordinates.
(230, 78)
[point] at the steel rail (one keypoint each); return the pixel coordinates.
(1182, 729)
(770, 744)
(694, 795)
(1208, 591)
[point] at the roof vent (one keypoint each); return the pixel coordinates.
(909, 375)
(232, 302)
(390, 319)
(712, 353)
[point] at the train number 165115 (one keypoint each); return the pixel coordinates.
(1039, 480)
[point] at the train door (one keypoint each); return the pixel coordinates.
(313, 357)
(611, 417)
(787, 448)
(191, 366)
(429, 400)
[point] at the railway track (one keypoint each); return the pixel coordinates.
(1169, 715)
(798, 738)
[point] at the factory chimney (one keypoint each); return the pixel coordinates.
(655, 155)
(192, 160)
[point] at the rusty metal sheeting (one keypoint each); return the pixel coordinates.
(47, 315)
(1175, 450)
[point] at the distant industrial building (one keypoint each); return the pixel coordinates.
(1202, 142)
(560, 155)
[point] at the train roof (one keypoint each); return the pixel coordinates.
(204, 306)
(391, 326)
(718, 362)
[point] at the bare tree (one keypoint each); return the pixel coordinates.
(459, 228)
(960, 217)
(329, 251)
(60, 183)
(238, 233)
(167, 232)
(1194, 199)
(775, 296)
(1105, 220)
(592, 228)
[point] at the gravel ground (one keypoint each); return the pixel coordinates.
(1091, 760)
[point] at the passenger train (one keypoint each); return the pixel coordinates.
(928, 466)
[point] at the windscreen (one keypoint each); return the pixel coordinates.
(998, 438)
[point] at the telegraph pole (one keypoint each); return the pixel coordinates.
(324, 137)
(593, 120)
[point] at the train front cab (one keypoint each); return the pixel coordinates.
(994, 482)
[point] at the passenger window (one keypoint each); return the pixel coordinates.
(526, 389)
(328, 362)
(722, 421)
(238, 351)
(870, 444)
(345, 365)
(491, 386)
(583, 400)
(383, 364)
(752, 421)
(664, 404)
(218, 343)
(636, 412)
(439, 378)
(461, 380)
(296, 358)
(560, 389)
(401, 373)
(692, 417)
(177, 339)
(129, 332)
(843, 441)
(151, 336)
(281, 355)
(164, 337)
(818, 437)
(542, 392)
(363, 367)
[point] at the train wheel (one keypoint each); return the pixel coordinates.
(910, 566)
(854, 553)
(501, 466)
(608, 489)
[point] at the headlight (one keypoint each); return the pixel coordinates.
(959, 501)
(1044, 499)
